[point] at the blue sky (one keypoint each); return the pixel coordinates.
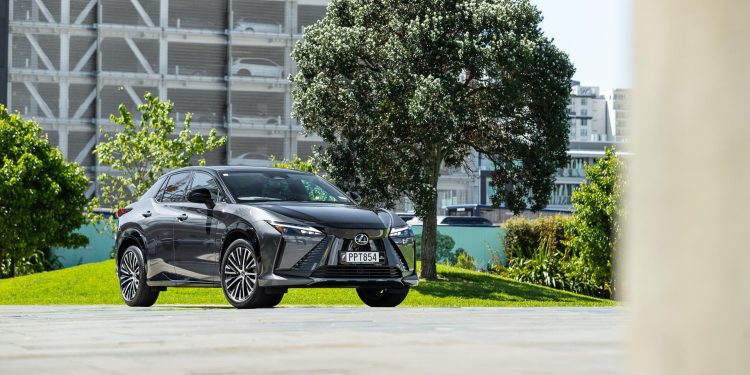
(596, 36)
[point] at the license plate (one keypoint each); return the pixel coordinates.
(361, 257)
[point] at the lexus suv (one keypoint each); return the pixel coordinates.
(255, 233)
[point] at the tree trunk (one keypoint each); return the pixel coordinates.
(12, 267)
(429, 234)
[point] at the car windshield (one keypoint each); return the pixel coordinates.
(268, 186)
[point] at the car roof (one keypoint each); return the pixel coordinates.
(239, 168)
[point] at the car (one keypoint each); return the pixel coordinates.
(253, 120)
(255, 233)
(252, 159)
(257, 67)
(258, 26)
(466, 221)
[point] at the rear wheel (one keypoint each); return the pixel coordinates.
(390, 297)
(239, 277)
(131, 271)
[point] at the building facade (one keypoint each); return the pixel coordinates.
(71, 63)
(618, 110)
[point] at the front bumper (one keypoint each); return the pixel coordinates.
(286, 281)
(290, 263)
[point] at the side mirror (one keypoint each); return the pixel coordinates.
(354, 195)
(201, 195)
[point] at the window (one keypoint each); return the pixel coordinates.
(206, 181)
(584, 122)
(281, 186)
(584, 112)
(175, 189)
(584, 101)
(584, 132)
(155, 190)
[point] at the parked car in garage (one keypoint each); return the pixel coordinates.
(251, 159)
(257, 67)
(258, 26)
(250, 120)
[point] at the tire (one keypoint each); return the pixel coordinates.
(274, 299)
(131, 272)
(240, 267)
(390, 297)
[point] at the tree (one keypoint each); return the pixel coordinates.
(443, 248)
(595, 228)
(296, 163)
(139, 154)
(42, 197)
(399, 89)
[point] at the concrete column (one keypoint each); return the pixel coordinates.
(62, 141)
(163, 47)
(688, 255)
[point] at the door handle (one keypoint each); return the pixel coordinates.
(146, 214)
(182, 217)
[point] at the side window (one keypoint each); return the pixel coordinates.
(176, 187)
(205, 180)
(155, 190)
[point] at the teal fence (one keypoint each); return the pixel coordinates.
(479, 242)
(101, 244)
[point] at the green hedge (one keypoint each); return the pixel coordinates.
(538, 253)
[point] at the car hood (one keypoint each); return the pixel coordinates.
(333, 216)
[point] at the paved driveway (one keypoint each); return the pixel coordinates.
(310, 340)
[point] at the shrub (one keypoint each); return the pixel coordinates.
(443, 248)
(464, 260)
(525, 236)
(594, 229)
(37, 186)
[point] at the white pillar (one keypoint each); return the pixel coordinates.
(688, 265)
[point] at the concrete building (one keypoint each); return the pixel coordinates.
(72, 62)
(587, 114)
(618, 112)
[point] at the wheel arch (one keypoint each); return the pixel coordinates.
(131, 237)
(241, 231)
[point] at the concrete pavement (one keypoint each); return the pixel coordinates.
(311, 340)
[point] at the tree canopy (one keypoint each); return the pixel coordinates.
(399, 89)
(42, 197)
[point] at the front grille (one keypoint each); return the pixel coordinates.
(357, 272)
(313, 257)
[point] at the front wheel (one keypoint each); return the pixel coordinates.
(131, 271)
(390, 297)
(240, 267)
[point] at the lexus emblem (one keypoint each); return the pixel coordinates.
(361, 239)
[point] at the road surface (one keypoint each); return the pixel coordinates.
(310, 340)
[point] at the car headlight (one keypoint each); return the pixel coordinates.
(295, 233)
(402, 235)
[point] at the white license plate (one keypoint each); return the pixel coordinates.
(361, 257)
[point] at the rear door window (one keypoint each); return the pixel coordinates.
(175, 188)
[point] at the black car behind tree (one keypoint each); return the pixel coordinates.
(255, 232)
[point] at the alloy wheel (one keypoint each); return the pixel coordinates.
(130, 274)
(240, 273)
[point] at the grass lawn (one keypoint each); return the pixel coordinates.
(96, 283)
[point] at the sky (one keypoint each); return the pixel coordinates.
(596, 34)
